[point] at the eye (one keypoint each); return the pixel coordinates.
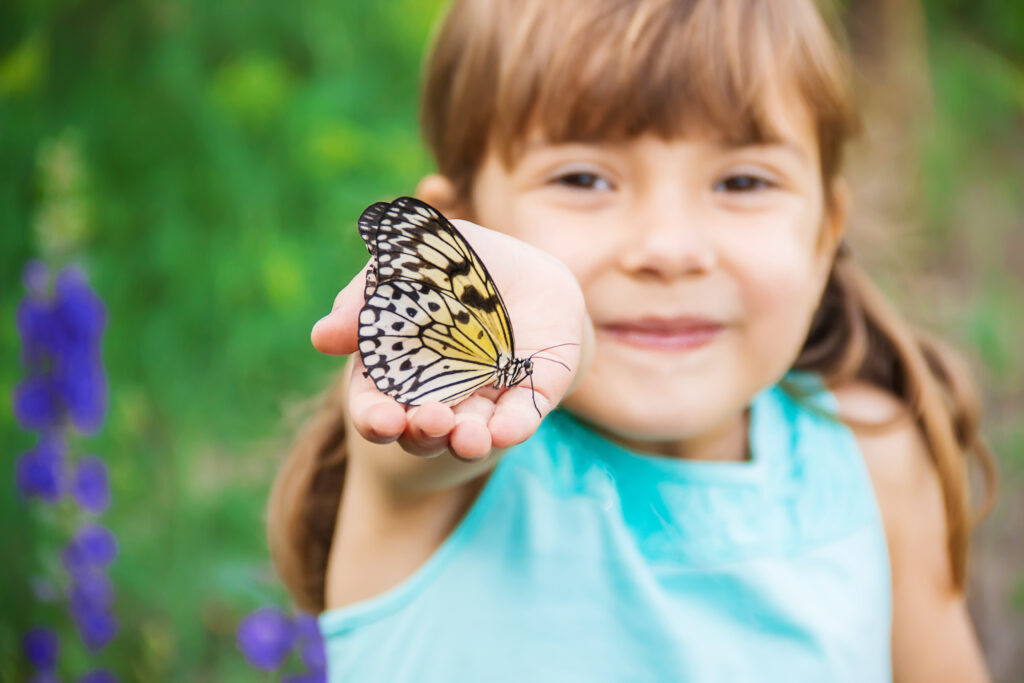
(743, 182)
(582, 180)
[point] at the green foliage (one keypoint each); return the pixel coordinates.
(999, 25)
(225, 151)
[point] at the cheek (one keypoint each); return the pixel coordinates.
(779, 283)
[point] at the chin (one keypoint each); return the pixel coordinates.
(656, 414)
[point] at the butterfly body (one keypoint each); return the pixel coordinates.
(433, 326)
(512, 371)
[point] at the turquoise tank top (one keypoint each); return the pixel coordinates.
(583, 561)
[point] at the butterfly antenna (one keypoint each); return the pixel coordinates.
(551, 360)
(533, 395)
(548, 348)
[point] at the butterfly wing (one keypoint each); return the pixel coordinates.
(419, 343)
(368, 231)
(415, 242)
(434, 326)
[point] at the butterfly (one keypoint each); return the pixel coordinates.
(433, 326)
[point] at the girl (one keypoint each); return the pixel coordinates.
(758, 471)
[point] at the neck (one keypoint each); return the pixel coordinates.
(727, 442)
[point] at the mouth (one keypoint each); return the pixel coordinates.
(665, 334)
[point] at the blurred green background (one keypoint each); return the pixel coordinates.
(206, 161)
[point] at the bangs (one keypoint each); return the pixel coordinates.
(606, 70)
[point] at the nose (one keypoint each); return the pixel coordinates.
(669, 239)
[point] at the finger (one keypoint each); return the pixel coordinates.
(520, 409)
(516, 416)
(376, 416)
(337, 333)
(471, 439)
(428, 428)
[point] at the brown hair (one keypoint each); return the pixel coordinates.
(500, 70)
(304, 500)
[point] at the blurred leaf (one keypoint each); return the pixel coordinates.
(22, 69)
(282, 277)
(252, 89)
(337, 146)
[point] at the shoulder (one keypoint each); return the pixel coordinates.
(932, 637)
(894, 450)
(905, 480)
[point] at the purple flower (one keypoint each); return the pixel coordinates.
(37, 329)
(39, 471)
(60, 335)
(265, 637)
(36, 404)
(77, 315)
(306, 627)
(306, 677)
(44, 677)
(90, 591)
(93, 546)
(311, 642)
(96, 626)
(61, 347)
(89, 486)
(78, 378)
(41, 646)
(313, 655)
(81, 312)
(98, 676)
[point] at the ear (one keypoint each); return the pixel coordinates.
(833, 226)
(439, 191)
(837, 210)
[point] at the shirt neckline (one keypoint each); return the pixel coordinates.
(764, 438)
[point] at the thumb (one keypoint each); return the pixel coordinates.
(337, 333)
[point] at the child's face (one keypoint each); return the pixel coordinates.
(701, 264)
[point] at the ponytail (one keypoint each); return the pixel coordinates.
(304, 501)
(857, 335)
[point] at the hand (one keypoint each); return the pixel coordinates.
(546, 308)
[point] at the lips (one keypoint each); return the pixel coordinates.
(666, 334)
